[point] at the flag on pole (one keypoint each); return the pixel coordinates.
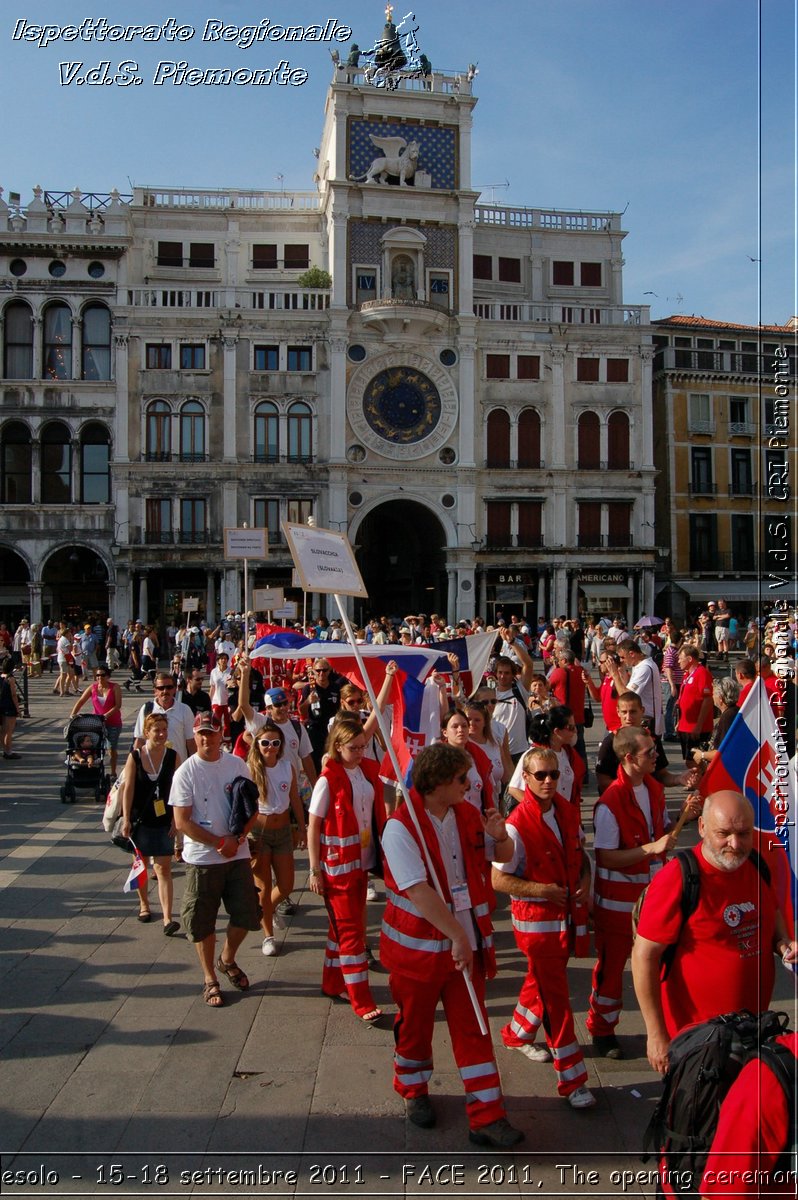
(138, 872)
(752, 759)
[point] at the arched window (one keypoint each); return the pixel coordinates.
(618, 441)
(267, 433)
(95, 464)
(18, 353)
(56, 464)
(588, 442)
(529, 438)
(192, 432)
(498, 438)
(300, 433)
(16, 463)
(158, 433)
(57, 342)
(96, 342)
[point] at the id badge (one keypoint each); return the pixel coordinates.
(365, 839)
(159, 806)
(460, 897)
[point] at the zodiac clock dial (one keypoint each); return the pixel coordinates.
(402, 405)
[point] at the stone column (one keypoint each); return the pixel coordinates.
(556, 409)
(336, 430)
(38, 365)
(121, 447)
(646, 437)
(210, 598)
(559, 595)
(542, 595)
(144, 600)
(35, 469)
(573, 607)
(35, 601)
(230, 344)
(467, 401)
(452, 595)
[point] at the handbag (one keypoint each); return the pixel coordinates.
(119, 839)
(113, 806)
(589, 714)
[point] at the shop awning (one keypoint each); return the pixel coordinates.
(728, 589)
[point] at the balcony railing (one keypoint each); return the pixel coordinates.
(170, 537)
(694, 425)
(723, 362)
(562, 314)
(513, 464)
(163, 297)
(743, 488)
(702, 487)
(742, 428)
(219, 198)
(546, 218)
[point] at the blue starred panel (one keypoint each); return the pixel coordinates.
(437, 148)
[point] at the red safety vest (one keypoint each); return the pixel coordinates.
(413, 946)
(542, 926)
(616, 892)
(340, 835)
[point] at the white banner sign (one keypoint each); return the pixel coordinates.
(246, 543)
(190, 603)
(324, 560)
(265, 599)
(288, 611)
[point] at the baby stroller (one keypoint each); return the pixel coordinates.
(85, 758)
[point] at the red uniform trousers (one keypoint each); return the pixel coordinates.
(345, 963)
(613, 947)
(416, 1001)
(545, 1000)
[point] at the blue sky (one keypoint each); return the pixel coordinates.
(653, 108)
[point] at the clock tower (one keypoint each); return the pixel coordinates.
(394, 173)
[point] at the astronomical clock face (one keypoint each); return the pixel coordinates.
(402, 406)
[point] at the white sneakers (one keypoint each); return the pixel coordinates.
(278, 920)
(533, 1053)
(371, 892)
(269, 947)
(582, 1098)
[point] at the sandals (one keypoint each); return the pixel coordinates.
(145, 917)
(371, 1018)
(171, 928)
(233, 973)
(212, 994)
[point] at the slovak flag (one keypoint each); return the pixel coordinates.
(138, 872)
(752, 759)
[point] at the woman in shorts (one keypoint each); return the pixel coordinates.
(271, 841)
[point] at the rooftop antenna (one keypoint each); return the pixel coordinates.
(483, 187)
(281, 180)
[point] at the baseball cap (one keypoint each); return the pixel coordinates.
(276, 696)
(208, 721)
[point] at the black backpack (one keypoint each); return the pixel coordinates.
(704, 1061)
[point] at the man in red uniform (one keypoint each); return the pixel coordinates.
(548, 878)
(631, 839)
(753, 1130)
(428, 943)
(695, 701)
(724, 950)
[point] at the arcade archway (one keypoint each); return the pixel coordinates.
(400, 549)
(14, 591)
(75, 585)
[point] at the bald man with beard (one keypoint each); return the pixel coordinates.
(724, 950)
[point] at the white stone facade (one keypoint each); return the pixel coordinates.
(470, 399)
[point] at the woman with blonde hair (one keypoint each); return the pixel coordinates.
(148, 819)
(271, 841)
(347, 816)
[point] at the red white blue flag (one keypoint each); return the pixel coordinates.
(138, 873)
(753, 759)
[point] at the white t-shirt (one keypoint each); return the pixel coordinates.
(517, 864)
(179, 721)
(408, 867)
(200, 785)
(363, 804)
(608, 835)
(63, 647)
(511, 713)
(278, 782)
(645, 681)
(218, 681)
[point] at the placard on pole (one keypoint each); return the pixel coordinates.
(324, 560)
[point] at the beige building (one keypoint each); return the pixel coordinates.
(469, 397)
(725, 450)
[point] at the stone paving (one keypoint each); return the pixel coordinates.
(116, 1077)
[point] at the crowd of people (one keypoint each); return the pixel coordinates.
(233, 780)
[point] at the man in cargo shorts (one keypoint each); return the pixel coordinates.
(217, 862)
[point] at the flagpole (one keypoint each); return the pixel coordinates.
(403, 786)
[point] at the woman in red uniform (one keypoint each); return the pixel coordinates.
(347, 815)
(455, 731)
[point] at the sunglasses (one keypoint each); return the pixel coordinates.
(279, 704)
(542, 775)
(322, 670)
(270, 742)
(159, 688)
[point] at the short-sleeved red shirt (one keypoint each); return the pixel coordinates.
(752, 1131)
(724, 959)
(696, 686)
